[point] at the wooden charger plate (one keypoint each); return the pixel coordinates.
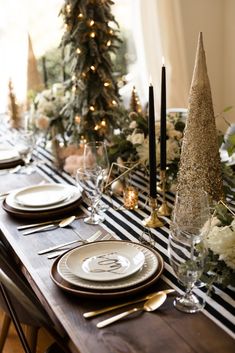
(84, 292)
(47, 214)
(11, 164)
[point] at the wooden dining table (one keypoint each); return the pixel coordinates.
(164, 330)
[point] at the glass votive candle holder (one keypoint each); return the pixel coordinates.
(130, 198)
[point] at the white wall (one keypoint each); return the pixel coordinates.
(216, 19)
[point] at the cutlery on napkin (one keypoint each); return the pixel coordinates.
(94, 313)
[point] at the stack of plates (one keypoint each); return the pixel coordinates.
(8, 157)
(40, 200)
(107, 268)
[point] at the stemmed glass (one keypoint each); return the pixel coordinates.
(91, 181)
(191, 214)
(95, 155)
(191, 218)
(187, 257)
(25, 142)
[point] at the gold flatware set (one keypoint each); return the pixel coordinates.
(151, 301)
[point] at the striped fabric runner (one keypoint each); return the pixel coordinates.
(127, 225)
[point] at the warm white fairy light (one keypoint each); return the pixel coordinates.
(92, 67)
(83, 140)
(108, 43)
(68, 8)
(74, 89)
(114, 102)
(78, 51)
(110, 31)
(92, 34)
(77, 119)
(91, 23)
(80, 15)
(92, 108)
(103, 123)
(106, 84)
(96, 127)
(74, 78)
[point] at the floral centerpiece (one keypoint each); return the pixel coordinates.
(220, 244)
(132, 145)
(46, 113)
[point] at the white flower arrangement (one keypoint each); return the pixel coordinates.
(47, 106)
(173, 143)
(220, 244)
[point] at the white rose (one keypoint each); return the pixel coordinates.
(133, 125)
(221, 240)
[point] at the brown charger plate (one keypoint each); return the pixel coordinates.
(84, 292)
(53, 213)
(11, 164)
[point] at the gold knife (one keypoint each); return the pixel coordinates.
(113, 307)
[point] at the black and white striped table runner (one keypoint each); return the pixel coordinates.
(127, 225)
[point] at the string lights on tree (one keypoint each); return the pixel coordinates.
(91, 37)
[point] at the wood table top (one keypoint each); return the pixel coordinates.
(166, 330)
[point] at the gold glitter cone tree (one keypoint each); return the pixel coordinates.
(200, 166)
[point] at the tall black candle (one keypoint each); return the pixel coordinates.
(163, 121)
(44, 69)
(152, 146)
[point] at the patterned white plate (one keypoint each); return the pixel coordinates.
(105, 261)
(146, 271)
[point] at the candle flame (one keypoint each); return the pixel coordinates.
(163, 61)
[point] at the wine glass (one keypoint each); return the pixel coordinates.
(91, 181)
(187, 257)
(25, 142)
(191, 213)
(95, 154)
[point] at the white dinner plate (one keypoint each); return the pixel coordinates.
(148, 268)
(42, 195)
(73, 193)
(105, 261)
(8, 154)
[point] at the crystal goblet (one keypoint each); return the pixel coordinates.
(25, 142)
(95, 154)
(187, 257)
(91, 181)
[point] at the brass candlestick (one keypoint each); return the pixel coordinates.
(164, 209)
(153, 221)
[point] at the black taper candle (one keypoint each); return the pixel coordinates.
(44, 70)
(163, 121)
(152, 146)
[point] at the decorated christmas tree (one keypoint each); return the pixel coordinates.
(89, 41)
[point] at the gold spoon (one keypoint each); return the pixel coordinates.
(93, 313)
(150, 305)
(64, 223)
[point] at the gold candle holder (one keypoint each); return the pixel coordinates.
(164, 209)
(153, 221)
(130, 196)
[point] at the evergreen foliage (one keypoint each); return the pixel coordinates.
(91, 35)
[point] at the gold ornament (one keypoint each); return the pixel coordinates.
(117, 187)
